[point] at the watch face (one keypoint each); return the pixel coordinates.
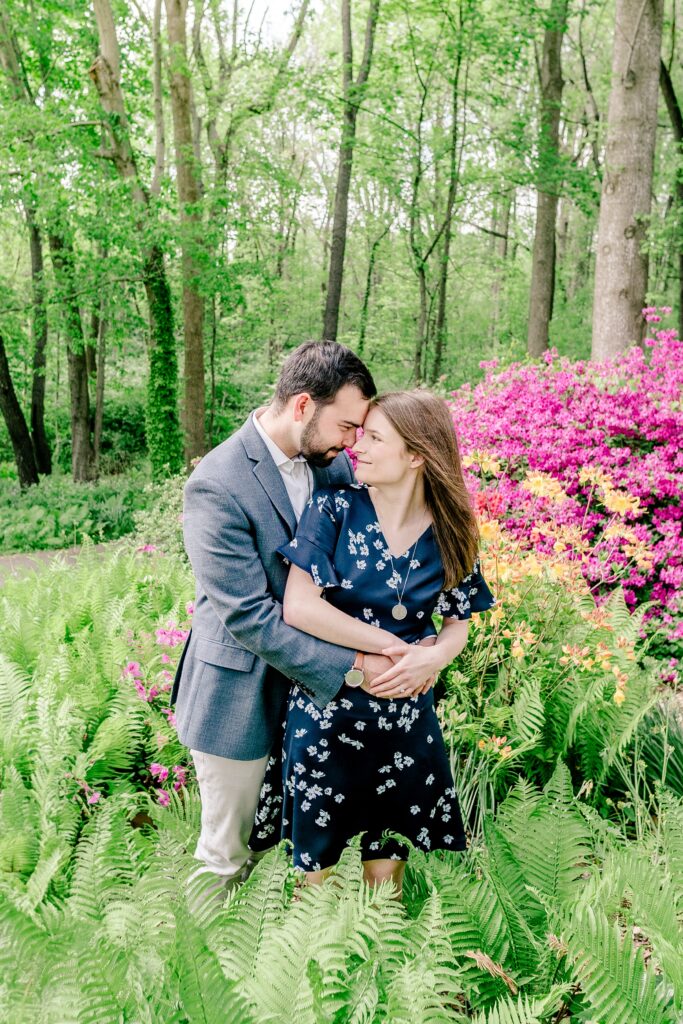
(354, 677)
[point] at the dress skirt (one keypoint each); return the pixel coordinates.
(361, 764)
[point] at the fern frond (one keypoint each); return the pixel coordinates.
(619, 987)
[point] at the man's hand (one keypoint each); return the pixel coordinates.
(374, 666)
(414, 670)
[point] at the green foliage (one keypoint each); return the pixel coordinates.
(58, 513)
(103, 918)
(159, 521)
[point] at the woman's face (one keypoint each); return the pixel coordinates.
(382, 455)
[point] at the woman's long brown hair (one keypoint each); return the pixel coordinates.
(424, 423)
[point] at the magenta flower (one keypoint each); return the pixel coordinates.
(189, 607)
(158, 771)
(163, 797)
(147, 548)
(621, 419)
(165, 658)
(132, 669)
(94, 796)
(170, 715)
(171, 636)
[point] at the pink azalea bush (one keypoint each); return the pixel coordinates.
(587, 458)
(150, 673)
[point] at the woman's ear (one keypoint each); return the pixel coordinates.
(416, 460)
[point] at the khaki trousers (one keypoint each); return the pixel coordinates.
(229, 792)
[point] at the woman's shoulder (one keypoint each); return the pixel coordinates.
(337, 500)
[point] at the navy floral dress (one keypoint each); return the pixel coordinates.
(364, 763)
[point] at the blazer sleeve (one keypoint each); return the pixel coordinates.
(221, 549)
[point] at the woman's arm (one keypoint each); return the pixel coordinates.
(398, 680)
(304, 608)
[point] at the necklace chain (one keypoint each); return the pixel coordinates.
(399, 611)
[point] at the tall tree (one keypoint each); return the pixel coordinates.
(187, 179)
(676, 117)
(15, 422)
(353, 97)
(163, 433)
(10, 61)
(621, 267)
(542, 290)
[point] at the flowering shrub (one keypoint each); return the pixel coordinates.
(586, 459)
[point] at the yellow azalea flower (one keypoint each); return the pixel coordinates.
(544, 485)
(559, 545)
(517, 651)
(489, 529)
(621, 502)
(467, 461)
(489, 465)
(619, 696)
(497, 614)
(506, 751)
(620, 530)
(594, 475)
(481, 744)
(621, 677)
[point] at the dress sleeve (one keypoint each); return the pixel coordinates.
(471, 595)
(312, 549)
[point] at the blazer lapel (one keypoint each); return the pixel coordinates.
(267, 474)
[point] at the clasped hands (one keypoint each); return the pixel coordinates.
(402, 669)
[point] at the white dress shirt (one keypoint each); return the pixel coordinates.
(296, 473)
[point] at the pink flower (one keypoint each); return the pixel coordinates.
(170, 715)
(94, 797)
(189, 607)
(180, 773)
(158, 771)
(163, 797)
(141, 691)
(147, 548)
(165, 658)
(172, 636)
(132, 669)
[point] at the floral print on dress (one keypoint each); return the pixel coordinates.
(365, 764)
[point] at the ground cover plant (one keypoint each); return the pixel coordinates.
(587, 458)
(58, 513)
(567, 902)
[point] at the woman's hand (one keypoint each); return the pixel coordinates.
(414, 670)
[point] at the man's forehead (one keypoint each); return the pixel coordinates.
(351, 405)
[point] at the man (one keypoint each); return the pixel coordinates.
(242, 502)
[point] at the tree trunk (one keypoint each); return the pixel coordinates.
(353, 95)
(191, 222)
(163, 433)
(82, 452)
(17, 428)
(621, 269)
(99, 382)
(542, 290)
(502, 229)
(676, 117)
(440, 326)
(38, 435)
(368, 288)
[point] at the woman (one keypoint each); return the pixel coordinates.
(370, 563)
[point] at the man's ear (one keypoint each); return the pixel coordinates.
(302, 403)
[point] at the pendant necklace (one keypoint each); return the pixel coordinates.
(399, 610)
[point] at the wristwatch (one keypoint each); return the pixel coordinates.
(356, 676)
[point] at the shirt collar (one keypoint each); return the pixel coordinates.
(278, 456)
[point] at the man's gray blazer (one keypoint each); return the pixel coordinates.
(237, 663)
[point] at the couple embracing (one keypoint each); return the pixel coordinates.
(304, 690)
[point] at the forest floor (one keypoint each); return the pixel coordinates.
(19, 563)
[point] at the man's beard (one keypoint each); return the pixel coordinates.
(310, 446)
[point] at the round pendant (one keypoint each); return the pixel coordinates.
(399, 611)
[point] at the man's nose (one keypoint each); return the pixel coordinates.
(350, 437)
